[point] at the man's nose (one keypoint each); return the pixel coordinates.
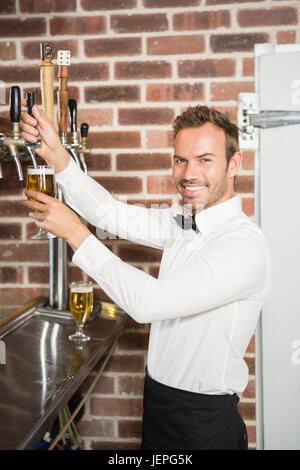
(192, 171)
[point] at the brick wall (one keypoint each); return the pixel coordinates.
(136, 64)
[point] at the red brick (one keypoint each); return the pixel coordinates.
(267, 17)
(251, 432)
(116, 406)
(77, 25)
(225, 91)
(96, 427)
(247, 410)
(175, 92)
(115, 445)
(143, 161)
(249, 391)
(31, 49)
(112, 93)
(244, 184)
(114, 139)
(159, 139)
(8, 274)
(107, 4)
(89, 71)
(142, 116)
(236, 42)
(251, 345)
(25, 252)
(131, 385)
(95, 116)
(20, 73)
(9, 6)
(16, 296)
(248, 160)
(13, 209)
(170, 3)
(248, 66)
(46, 6)
(286, 37)
(13, 27)
(98, 162)
(10, 231)
(112, 47)
(38, 274)
(105, 385)
(138, 254)
(138, 70)
(207, 68)
(161, 184)
(7, 50)
(133, 341)
(139, 23)
(130, 428)
(248, 206)
(201, 20)
(121, 184)
(192, 44)
(251, 364)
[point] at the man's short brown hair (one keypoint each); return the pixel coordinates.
(196, 116)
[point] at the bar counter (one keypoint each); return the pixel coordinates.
(44, 368)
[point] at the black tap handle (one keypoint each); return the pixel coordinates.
(73, 115)
(30, 102)
(84, 129)
(15, 104)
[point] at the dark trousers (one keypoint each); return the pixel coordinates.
(176, 419)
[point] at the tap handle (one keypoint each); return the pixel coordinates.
(30, 102)
(73, 115)
(15, 104)
(84, 129)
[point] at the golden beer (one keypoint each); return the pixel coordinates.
(41, 179)
(81, 304)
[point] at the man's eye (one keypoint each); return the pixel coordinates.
(205, 159)
(179, 160)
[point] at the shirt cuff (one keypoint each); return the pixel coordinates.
(92, 255)
(72, 174)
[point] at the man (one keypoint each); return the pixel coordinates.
(213, 280)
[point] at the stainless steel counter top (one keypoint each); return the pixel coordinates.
(44, 369)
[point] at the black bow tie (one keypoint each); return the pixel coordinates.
(186, 222)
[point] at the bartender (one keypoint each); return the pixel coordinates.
(215, 276)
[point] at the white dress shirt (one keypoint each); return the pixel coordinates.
(204, 306)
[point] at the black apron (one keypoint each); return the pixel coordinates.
(176, 419)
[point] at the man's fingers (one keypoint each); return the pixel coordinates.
(28, 119)
(28, 128)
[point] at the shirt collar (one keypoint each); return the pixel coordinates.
(210, 218)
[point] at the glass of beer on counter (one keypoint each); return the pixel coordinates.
(41, 179)
(81, 305)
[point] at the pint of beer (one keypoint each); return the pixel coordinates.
(41, 179)
(81, 305)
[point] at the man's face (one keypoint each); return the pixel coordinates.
(199, 166)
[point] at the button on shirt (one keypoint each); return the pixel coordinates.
(204, 306)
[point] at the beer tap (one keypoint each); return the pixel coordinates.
(63, 61)
(84, 128)
(14, 142)
(30, 145)
(75, 144)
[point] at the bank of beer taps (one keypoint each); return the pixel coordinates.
(12, 146)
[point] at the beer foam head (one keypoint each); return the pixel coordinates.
(81, 289)
(40, 170)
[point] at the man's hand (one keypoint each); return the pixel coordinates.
(57, 218)
(52, 149)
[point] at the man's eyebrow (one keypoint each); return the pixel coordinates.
(198, 156)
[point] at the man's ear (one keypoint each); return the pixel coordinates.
(234, 164)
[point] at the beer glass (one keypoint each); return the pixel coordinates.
(41, 179)
(81, 304)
